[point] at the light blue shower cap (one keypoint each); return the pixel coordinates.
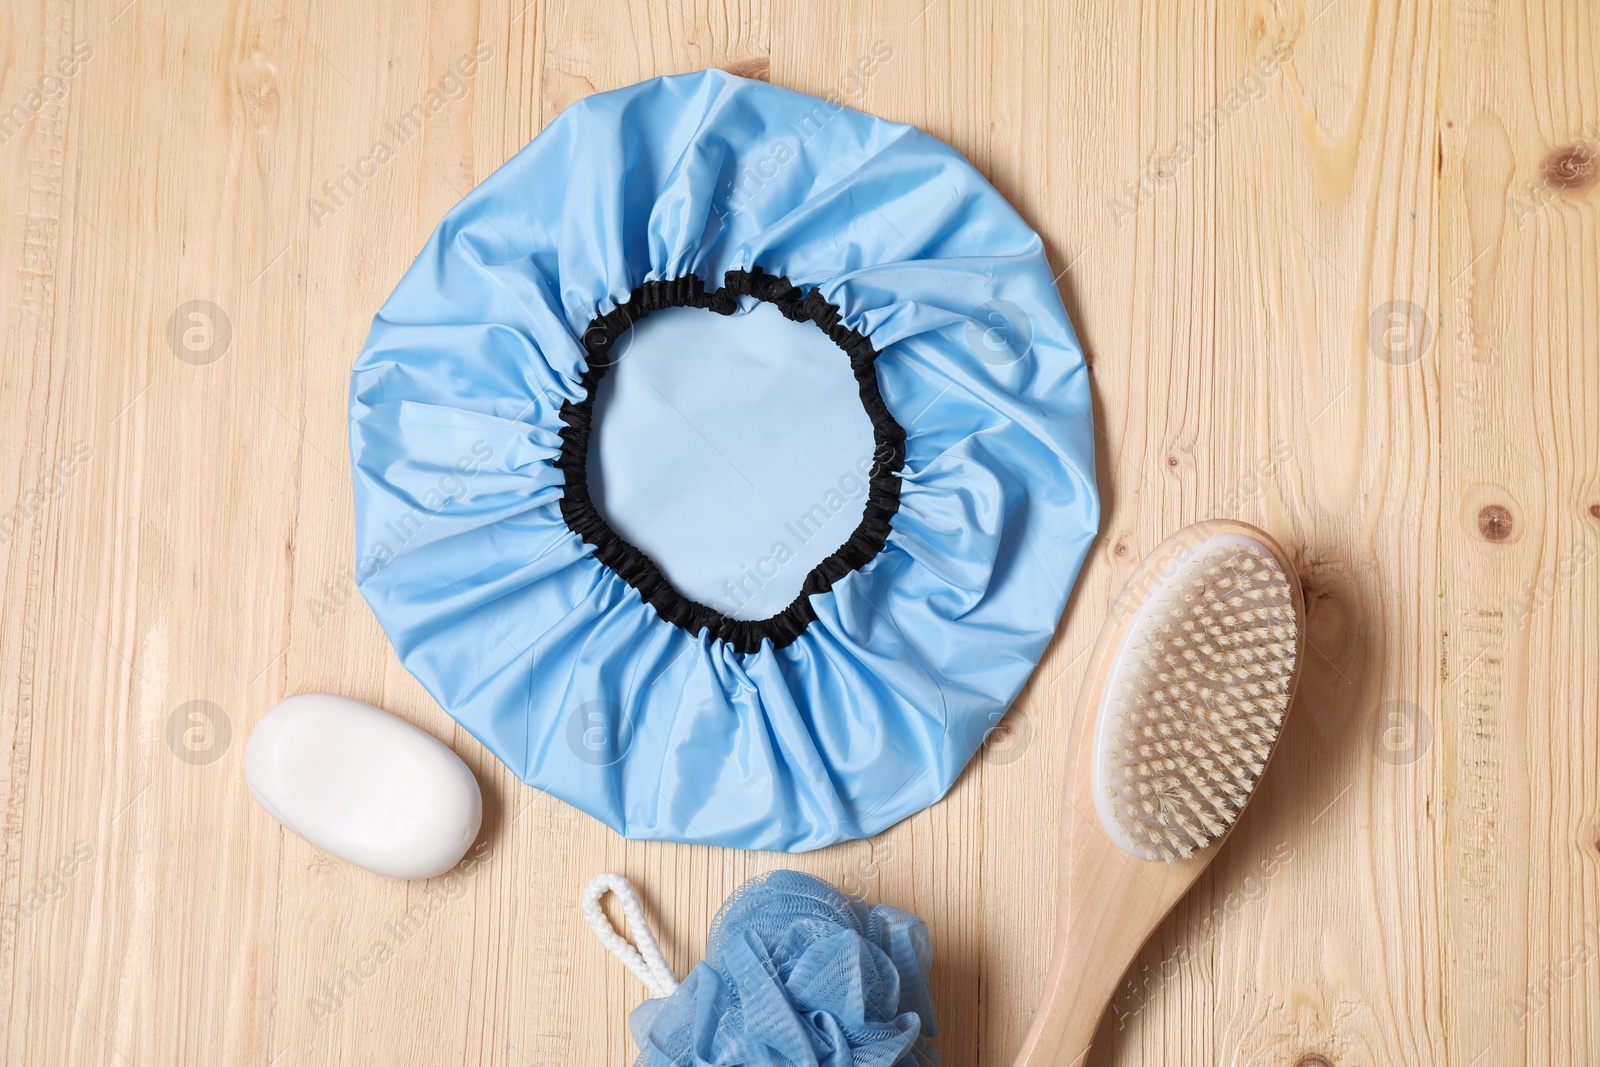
(561, 644)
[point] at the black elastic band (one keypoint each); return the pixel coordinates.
(637, 569)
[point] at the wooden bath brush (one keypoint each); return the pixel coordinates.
(1181, 709)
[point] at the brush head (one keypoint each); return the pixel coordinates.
(1195, 697)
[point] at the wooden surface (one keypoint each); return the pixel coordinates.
(1416, 882)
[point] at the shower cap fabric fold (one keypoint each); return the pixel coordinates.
(561, 647)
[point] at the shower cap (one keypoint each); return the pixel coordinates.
(570, 572)
(798, 973)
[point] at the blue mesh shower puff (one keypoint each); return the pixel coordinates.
(798, 974)
(562, 646)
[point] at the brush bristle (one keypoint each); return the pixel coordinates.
(1198, 699)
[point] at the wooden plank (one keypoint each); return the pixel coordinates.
(1334, 265)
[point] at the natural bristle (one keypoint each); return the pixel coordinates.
(1197, 700)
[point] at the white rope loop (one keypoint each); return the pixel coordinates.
(646, 962)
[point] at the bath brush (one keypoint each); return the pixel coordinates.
(1181, 709)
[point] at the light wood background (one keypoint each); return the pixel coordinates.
(1417, 881)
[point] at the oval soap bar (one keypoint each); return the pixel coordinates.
(364, 785)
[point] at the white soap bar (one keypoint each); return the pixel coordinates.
(364, 785)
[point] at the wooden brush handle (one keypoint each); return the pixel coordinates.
(1109, 904)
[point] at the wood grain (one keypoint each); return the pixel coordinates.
(1334, 262)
